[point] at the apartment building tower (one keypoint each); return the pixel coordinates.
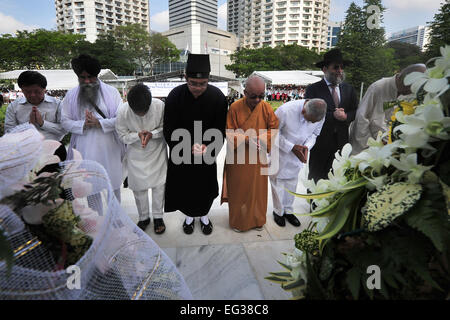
(91, 17)
(259, 23)
(186, 12)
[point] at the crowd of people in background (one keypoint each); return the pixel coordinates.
(284, 93)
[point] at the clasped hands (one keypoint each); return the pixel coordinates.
(198, 149)
(36, 117)
(301, 152)
(91, 121)
(340, 114)
(145, 137)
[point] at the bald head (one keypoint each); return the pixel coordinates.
(401, 88)
(254, 90)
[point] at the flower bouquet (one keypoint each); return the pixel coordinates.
(384, 209)
(63, 234)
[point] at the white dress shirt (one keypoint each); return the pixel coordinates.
(18, 112)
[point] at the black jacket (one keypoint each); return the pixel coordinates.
(334, 134)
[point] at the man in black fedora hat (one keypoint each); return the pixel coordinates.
(194, 108)
(342, 103)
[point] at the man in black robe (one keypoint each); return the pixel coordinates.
(342, 103)
(194, 108)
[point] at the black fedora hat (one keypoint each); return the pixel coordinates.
(334, 55)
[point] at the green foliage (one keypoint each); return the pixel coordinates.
(144, 48)
(122, 50)
(429, 216)
(406, 54)
(440, 31)
(38, 49)
(2, 119)
(365, 47)
(284, 57)
(390, 202)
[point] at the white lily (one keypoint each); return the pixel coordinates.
(418, 128)
(435, 79)
(408, 164)
(376, 157)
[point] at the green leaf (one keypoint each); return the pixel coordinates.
(297, 284)
(390, 202)
(349, 186)
(282, 275)
(353, 280)
(430, 218)
(6, 252)
(276, 279)
(289, 268)
(325, 212)
(342, 213)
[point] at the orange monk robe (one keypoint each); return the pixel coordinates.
(244, 187)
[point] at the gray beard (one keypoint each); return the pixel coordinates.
(88, 94)
(335, 81)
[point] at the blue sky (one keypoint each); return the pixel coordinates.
(31, 14)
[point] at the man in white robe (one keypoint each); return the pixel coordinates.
(89, 113)
(140, 125)
(300, 123)
(370, 116)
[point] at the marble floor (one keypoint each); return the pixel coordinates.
(226, 265)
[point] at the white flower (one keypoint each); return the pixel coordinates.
(418, 128)
(435, 79)
(408, 163)
(376, 157)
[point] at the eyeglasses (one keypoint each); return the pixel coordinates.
(256, 96)
(197, 84)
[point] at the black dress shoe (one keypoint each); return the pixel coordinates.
(292, 219)
(188, 228)
(206, 228)
(279, 220)
(143, 224)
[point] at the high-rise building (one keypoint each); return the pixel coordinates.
(334, 29)
(200, 38)
(185, 12)
(91, 17)
(276, 22)
(417, 35)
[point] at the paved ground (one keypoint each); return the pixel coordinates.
(226, 265)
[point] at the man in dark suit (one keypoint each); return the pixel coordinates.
(342, 103)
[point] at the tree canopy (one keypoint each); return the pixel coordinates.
(284, 57)
(123, 50)
(440, 31)
(364, 44)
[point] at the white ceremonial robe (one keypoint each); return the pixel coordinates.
(97, 144)
(370, 116)
(147, 167)
(294, 129)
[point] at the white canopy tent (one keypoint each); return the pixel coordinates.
(59, 79)
(292, 77)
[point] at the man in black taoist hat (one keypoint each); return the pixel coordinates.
(342, 103)
(191, 184)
